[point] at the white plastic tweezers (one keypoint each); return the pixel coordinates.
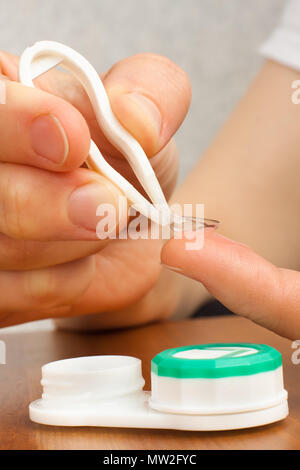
(45, 55)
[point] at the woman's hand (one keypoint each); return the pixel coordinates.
(51, 262)
(243, 281)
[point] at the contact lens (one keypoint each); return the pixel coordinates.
(192, 224)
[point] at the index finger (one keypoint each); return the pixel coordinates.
(38, 128)
(242, 280)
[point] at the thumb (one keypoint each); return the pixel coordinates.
(242, 280)
(150, 95)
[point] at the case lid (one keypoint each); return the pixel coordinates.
(216, 360)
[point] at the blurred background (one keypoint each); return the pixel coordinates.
(216, 42)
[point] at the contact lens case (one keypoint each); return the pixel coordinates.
(206, 387)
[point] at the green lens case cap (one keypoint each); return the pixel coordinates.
(216, 360)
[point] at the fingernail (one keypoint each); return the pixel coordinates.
(172, 268)
(177, 270)
(48, 138)
(149, 108)
(84, 201)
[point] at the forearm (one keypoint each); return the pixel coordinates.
(249, 176)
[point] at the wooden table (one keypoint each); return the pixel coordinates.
(27, 352)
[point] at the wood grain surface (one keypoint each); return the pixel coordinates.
(27, 352)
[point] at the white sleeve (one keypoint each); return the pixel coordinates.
(283, 45)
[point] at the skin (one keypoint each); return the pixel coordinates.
(58, 267)
(254, 160)
(243, 281)
(249, 179)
